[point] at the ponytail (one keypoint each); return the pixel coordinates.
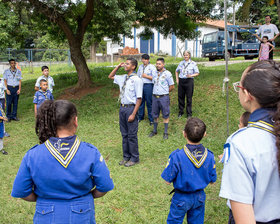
(45, 121)
(277, 132)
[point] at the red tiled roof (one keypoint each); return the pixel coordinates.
(216, 23)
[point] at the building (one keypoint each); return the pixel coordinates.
(170, 45)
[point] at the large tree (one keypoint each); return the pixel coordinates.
(70, 20)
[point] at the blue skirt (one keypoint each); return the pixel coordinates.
(56, 211)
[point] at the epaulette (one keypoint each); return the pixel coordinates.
(33, 147)
(209, 151)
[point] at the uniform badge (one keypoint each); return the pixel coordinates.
(101, 158)
(226, 155)
(167, 164)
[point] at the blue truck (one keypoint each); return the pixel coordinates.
(241, 42)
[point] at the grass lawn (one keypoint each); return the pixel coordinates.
(140, 195)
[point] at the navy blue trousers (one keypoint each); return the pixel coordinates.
(146, 97)
(12, 99)
(129, 134)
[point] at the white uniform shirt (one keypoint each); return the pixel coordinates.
(250, 172)
(148, 70)
(186, 68)
(12, 77)
(50, 82)
(133, 88)
(162, 81)
(2, 89)
(268, 30)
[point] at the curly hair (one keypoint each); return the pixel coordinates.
(53, 115)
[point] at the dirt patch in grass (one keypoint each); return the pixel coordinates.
(76, 94)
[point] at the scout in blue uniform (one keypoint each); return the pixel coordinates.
(131, 89)
(185, 73)
(163, 85)
(62, 174)
(145, 72)
(250, 178)
(2, 119)
(190, 169)
(42, 95)
(3, 101)
(12, 80)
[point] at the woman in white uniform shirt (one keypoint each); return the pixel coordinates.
(251, 178)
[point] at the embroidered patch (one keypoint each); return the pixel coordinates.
(226, 155)
(64, 161)
(197, 158)
(167, 164)
(101, 158)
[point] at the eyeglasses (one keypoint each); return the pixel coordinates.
(237, 86)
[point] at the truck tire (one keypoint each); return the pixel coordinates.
(246, 57)
(211, 59)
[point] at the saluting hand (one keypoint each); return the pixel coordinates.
(131, 118)
(121, 65)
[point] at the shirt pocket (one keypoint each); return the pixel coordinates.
(44, 213)
(81, 213)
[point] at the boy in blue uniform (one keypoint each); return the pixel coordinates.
(190, 169)
(163, 85)
(42, 95)
(131, 89)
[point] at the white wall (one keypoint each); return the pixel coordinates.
(165, 43)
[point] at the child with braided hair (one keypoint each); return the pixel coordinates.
(62, 174)
(251, 177)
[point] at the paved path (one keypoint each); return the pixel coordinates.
(218, 63)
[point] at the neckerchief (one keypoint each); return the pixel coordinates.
(124, 85)
(159, 74)
(197, 154)
(63, 149)
(13, 72)
(44, 93)
(186, 66)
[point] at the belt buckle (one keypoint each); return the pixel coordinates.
(14, 86)
(157, 96)
(122, 105)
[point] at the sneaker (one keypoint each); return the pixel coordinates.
(4, 152)
(130, 163)
(152, 134)
(15, 119)
(123, 162)
(6, 134)
(180, 115)
(165, 136)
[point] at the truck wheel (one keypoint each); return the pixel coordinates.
(248, 57)
(211, 59)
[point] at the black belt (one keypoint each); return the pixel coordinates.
(270, 222)
(127, 105)
(12, 86)
(182, 192)
(159, 96)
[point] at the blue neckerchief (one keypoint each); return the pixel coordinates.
(196, 150)
(264, 114)
(63, 145)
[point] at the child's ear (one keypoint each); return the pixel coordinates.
(184, 134)
(204, 134)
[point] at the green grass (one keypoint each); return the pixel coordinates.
(140, 195)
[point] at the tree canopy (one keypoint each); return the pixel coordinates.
(71, 20)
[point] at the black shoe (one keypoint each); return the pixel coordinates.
(6, 134)
(4, 152)
(123, 162)
(165, 136)
(152, 134)
(15, 119)
(180, 115)
(9, 120)
(130, 163)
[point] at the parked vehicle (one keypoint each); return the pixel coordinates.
(241, 42)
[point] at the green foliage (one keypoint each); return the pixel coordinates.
(140, 195)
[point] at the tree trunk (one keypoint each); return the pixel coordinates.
(278, 9)
(93, 49)
(78, 59)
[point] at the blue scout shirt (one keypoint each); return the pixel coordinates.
(148, 70)
(190, 169)
(162, 81)
(49, 80)
(12, 77)
(2, 114)
(250, 174)
(41, 96)
(133, 88)
(62, 168)
(187, 68)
